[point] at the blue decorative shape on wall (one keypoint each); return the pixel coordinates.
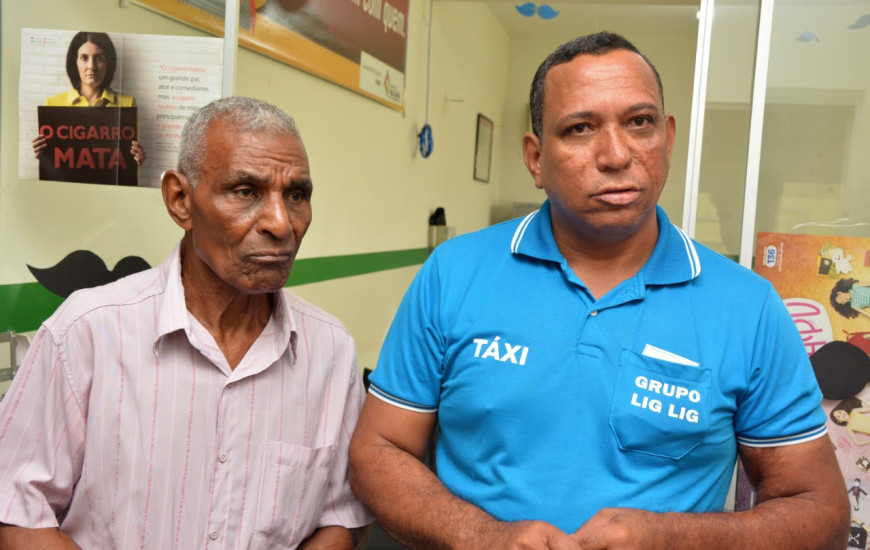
(861, 22)
(807, 36)
(546, 12)
(528, 9)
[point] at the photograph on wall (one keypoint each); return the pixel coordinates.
(483, 149)
(358, 44)
(825, 284)
(108, 108)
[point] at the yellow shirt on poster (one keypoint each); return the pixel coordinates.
(109, 98)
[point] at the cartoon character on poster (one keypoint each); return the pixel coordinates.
(827, 293)
(833, 261)
(843, 373)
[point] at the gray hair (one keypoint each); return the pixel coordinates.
(593, 44)
(243, 114)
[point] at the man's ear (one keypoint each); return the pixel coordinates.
(671, 128)
(176, 196)
(532, 156)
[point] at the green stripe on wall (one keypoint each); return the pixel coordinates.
(314, 270)
(24, 306)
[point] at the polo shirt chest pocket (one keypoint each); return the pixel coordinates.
(658, 407)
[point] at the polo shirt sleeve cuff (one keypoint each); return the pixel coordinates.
(399, 402)
(784, 440)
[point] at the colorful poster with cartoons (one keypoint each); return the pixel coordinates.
(825, 284)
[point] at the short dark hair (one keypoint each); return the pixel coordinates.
(102, 40)
(599, 43)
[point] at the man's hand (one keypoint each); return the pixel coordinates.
(530, 535)
(801, 504)
(622, 529)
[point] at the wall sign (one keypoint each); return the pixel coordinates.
(357, 44)
(88, 144)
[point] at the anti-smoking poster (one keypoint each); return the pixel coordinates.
(108, 108)
(825, 284)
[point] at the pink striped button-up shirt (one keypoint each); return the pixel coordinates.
(127, 428)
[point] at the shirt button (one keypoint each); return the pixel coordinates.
(213, 535)
(594, 313)
(223, 457)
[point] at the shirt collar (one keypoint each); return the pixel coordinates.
(108, 97)
(173, 315)
(674, 258)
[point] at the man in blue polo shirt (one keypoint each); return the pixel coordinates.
(594, 372)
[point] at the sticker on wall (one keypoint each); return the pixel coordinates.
(108, 108)
(861, 22)
(84, 269)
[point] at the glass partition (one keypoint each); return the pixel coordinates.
(726, 126)
(814, 172)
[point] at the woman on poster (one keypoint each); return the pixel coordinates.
(850, 297)
(90, 65)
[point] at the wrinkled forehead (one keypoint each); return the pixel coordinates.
(266, 149)
(227, 128)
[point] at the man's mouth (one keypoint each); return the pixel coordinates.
(272, 256)
(619, 197)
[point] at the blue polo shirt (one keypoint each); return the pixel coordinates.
(552, 404)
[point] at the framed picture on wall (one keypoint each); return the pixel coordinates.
(360, 46)
(483, 149)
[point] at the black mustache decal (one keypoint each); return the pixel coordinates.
(84, 269)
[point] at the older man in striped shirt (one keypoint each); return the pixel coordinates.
(197, 404)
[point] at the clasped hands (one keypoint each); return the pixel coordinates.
(609, 529)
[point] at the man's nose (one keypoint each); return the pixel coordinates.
(275, 218)
(614, 150)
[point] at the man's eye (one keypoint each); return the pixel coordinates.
(245, 192)
(580, 128)
(640, 121)
(296, 196)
